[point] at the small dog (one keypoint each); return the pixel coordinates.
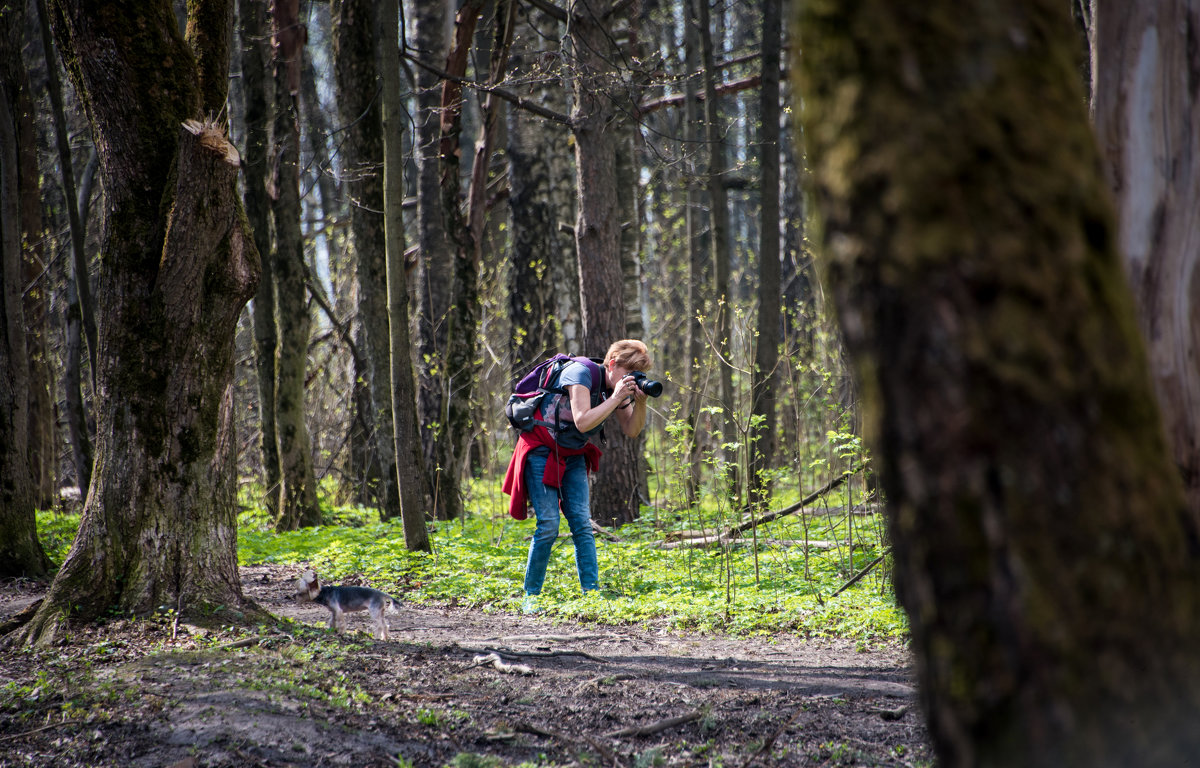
(343, 600)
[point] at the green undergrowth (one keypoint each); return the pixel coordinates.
(480, 563)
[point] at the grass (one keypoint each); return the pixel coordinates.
(479, 562)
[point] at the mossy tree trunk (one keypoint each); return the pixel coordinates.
(177, 266)
(1147, 113)
(1043, 548)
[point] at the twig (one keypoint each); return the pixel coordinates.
(604, 751)
(661, 725)
(10, 736)
(770, 740)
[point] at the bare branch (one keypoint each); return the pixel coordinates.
(520, 101)
(676, 100)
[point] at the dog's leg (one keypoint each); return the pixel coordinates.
(378, 611)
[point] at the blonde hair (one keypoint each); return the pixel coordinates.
(630, 354)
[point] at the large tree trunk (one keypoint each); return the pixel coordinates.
(20, 552)
(1044, 551)
(298, 484)
(1147, 112)
(258, 93)
(766, 351)
(615, 495)
(414, 497)
(160, 523)
(358, 87)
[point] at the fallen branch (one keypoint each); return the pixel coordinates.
(494, 660)
(705, 541)
(531, 654)
(653, 728)
(861, 573)
(837, 482)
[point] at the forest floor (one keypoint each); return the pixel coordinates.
(160, 692)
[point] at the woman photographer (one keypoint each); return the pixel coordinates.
(549, 469)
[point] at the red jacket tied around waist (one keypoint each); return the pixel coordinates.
(514, 480)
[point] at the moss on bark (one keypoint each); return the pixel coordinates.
(1042, 546)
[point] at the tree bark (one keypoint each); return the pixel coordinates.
(359, 94)
(258, 92)
(434, 265)
(81, 313)
(298, 484)
(458, 360)
(1043, 547)
(1147, 113)
(615, 494)
(414, 497)
(766, 348)
(41, 452)
(159, 525)
(535, 231)
(20, 552)
(718, 217)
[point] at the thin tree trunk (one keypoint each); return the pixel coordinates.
(414, 499)
(159, 525)
(699, 278)
(298, 484)
(78, 433)
(458, 368)
(718, 203)
(766, 350)
(79, 267)
(41, 438)
(1147, 113)
(1044, 550)
(534, 225)
(434, 276)
(20, 552)
(258, 92)
(359, 95)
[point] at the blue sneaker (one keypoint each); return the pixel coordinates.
(529, 605)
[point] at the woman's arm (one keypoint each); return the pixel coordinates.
(588, 418)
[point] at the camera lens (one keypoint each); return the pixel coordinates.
(649, 386)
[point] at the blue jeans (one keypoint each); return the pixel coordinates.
(575, 508)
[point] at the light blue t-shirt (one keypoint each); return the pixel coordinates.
(556, 409)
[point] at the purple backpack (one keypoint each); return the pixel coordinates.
(524, 404)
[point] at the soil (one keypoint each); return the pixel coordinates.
(452, 686)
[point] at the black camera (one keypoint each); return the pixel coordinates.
(647, 385)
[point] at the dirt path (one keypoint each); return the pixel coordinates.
(129, 694)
